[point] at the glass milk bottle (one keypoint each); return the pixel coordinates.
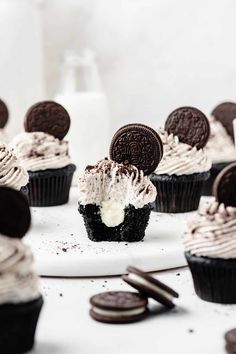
(81, 93)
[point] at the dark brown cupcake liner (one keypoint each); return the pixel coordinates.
(131, 230)
(18, 325)
(215, 170)
(50, 187)
(214, 279)
(178, 194)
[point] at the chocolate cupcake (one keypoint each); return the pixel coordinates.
(185, 166)
(220, 147)
(115, 197)
(20, 298)
(44, 154)
(210, 243)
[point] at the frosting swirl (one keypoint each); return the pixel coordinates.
(11, 173)
(18, 281)
(41, 151)
(179, 158)
(220, 146)
(114, 186)
(213, 233)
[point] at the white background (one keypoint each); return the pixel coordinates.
(153, 55)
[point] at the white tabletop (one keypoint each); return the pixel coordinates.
(193, 327)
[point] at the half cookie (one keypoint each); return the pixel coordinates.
(150, 287)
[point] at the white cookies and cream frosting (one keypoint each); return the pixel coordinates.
(18, 280)
(40, 151)
(180, 158)
(213, 233)
(113, 187)
(12, 174)
(220, 146)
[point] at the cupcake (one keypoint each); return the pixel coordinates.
(4, 115)
(20, 298)
(210, 242)
(115, 195)
(220, 146)
(12, 173)
(44, 154)
(185, 166)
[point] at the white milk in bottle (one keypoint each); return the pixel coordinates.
(86, 102)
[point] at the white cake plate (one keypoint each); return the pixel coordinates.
(61, 247)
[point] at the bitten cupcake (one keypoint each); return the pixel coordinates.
(12, 173)
(210, 242)
(185, 166)
(220, 146)
(20, 298)
(44, 154)
(115, 194)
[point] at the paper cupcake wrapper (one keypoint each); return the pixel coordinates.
(18, 325)
(215, 170)
(178, 194)
(214, 279)
(131, 230)
(50, 187)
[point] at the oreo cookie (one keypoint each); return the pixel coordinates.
(48, 117)
(230, 338)
(150, 287)
(190, 125)
(4, 114)
(118, 307)
(224, 187)
(138, 145)
(15, 213)
(225, 113)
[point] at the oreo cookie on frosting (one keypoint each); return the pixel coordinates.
(230, 339)
(225, 113)
(224, 187)
(190, 125)
(150, 287)
(118, 307)
(48, 117)
(138, 145)
(15, 213)
(4, 114)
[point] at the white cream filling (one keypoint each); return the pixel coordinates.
(125, 313)
(151, 286)
(112, 212)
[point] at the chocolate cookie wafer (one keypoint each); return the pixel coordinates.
(190, 125)
(224, 187)
(15, 213)
(225, 113)
(48, 117)
(138, 145)
(4, 114)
